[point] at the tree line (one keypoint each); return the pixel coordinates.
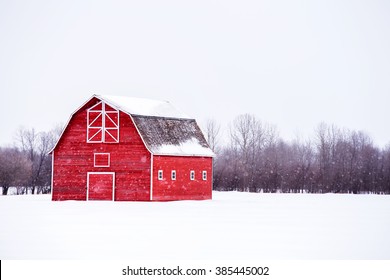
(336, 160)
(256, 159)
(26, 166)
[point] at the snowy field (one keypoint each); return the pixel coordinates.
(231, 226)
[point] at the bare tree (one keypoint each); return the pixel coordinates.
(386, 170)
(36, 147)
(14, 169)
(299, 176)
(213, 134)
(243, 139)
(249, 137)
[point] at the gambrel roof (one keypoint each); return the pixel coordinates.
(163, 129)
(169, 136)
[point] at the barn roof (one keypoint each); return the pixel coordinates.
(168, 136)
(143, 106)
(164, 129)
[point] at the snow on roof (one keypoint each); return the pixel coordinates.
(143, 106)
(189, 147)
(168, 136)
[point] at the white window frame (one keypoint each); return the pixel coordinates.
(160, 175)
(204, 175)
(94, 160)
(192, 175)
(103, 113)
(173, 175)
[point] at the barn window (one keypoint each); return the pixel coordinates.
(192, 175)
(101, 160)
(102, 124)
(160, 174)
(173, 175)
(204, 175)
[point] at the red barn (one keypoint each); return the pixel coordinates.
(121, 148)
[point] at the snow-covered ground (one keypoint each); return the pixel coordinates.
(231, 226)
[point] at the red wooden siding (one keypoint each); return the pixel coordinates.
(74, 158)
(182, 188)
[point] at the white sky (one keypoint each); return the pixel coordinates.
(291, 63)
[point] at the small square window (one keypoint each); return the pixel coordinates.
(204, 175)
(192, 175)
(173, 175)
(101, 160)
(160, 175)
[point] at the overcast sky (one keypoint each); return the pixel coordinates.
(291, 63)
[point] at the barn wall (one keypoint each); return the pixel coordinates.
(74, 158)
(182, 188)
